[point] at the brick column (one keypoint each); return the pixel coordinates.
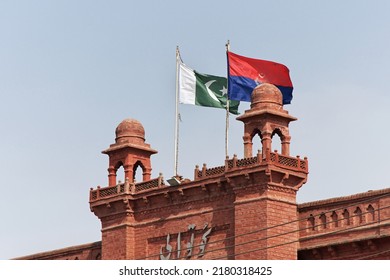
(265, 224)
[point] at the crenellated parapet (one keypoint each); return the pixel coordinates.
(271, 158)
(126, 188)
(222, 172)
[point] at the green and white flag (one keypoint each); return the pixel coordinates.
(204, 90)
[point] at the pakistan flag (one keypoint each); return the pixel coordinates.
(204, 90)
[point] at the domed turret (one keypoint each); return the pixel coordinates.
(266, 118)
(130, 131)
(267, 95)
(130, 151)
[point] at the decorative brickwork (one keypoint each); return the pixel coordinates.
(129, 151)
(244, 209)
(352, 227)
(234, 211)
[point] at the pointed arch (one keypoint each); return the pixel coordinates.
(282, 143)
(119, 172)
(136, 168)
(256, 145)
(255, 132)
(278, 131)
(277, 144)
(118, 165)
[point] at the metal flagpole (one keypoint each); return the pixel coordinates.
(227, 129)
(227, 109)
(177, 114)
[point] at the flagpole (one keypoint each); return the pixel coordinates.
(227, 129)
(177, 113)
(227, 109)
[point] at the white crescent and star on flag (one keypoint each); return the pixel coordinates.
(209, 91)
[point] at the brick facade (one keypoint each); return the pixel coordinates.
(235, 211)
(243, 209)
(351, 227)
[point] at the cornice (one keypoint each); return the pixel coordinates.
(343, 199)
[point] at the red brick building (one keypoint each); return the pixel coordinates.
(244, 209)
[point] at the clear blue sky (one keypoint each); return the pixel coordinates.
(70, 71)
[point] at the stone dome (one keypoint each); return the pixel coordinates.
(130, 130)
(267, 95)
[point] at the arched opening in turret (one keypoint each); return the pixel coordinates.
(256, 144)
(138, 171)
(276, 140)
(120, 172)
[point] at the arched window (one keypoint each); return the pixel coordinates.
(276, 139)
(120, 172)
(256, 141)
(138, 170)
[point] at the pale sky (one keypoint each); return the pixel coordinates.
(71, 71)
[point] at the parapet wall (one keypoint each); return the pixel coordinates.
(231, 165)
(90, 251)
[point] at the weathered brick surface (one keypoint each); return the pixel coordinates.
(244, 209)
(351, 227)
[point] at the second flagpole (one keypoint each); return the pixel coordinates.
(227, 109)
(177, 114)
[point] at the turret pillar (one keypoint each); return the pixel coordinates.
(286, 145)
(268, 193)
(248, 146)
(130, 152)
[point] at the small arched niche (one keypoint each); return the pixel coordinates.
(371, 213)
(322, 219)
(311, 223)
(335, 219)
(358, 216)
(346, 221)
